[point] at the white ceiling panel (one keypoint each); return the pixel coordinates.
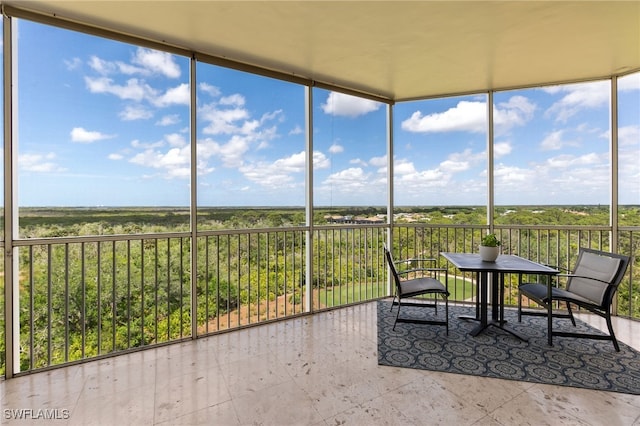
(395, 49)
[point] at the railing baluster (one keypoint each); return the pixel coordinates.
(180, 287)
(142, 253)
(217, 251)
(83, 310)
(114, 308)
(156, 299)
(168, 303)
(49, 303)
(32, 291)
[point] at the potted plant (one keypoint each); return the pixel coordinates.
(489, 248)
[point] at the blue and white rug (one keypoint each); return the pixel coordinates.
(583, 363)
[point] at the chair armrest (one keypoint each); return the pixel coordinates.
(418, 268)
(430, 259)
(582, 276)
(559, 268)
(408, 271)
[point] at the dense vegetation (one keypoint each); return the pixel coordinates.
(79, 300)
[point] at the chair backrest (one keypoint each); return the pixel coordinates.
(392, 266)
(608, 268)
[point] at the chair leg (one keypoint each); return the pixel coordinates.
(392, 302)
(446, 313)
(477, 295)
(550, 323)
(611, 333)
(397, 315)
(573, 321)
(519, 307)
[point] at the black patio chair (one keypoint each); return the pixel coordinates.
(418, 281)
(592, 286)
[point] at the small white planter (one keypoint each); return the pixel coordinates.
(489, 254)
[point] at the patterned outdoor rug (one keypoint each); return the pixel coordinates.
(582, 363)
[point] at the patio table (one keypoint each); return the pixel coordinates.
(504, 264)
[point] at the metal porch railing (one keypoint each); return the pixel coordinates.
(89, 297)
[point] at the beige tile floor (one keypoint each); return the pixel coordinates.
(314, 370)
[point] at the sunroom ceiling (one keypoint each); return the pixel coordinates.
(397, 50)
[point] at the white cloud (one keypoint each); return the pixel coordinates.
(175, 163)
(226, 118)
(176, 139)
(40, 163)
(168, 120)
(566, 161)
(553, 141)
(297, 130)
(459, 162)
(231, 153)
(628, 135)
(629, 166)
(451, 166)
(468, 156)
(128, 69)
(565, 177)
(277, 173)
(416, 183)
(78, 134)
(500, 149)
(267, 175)
(146, 145)
(73, 64)
(403, 167)
(378, 161)
(157, 62)
(115, 156)
(135, 112)
(349, 180)
(210, 89)
(221, 121)
(513, 177)
(233, 100)
(134, 89)
(101, 66)
(629, 82)
(419, 181)
(295, 163)
(276, 115)
(471, 116)
(578, 97)
(139, 91)
(179, 95)
(336, 149)
(244, 134)
(517, 111)
(556, 140)
(280, 173)
(145, 62)
(339, 104)
(320, 161)
(465, 116)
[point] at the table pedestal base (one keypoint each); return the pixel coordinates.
(501, 324)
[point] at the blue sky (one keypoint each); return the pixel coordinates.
(106, 123)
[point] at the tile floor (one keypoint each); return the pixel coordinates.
(314, 370)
